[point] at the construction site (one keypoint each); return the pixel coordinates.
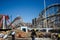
(47, 22)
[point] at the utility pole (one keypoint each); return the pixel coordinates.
(45, 21)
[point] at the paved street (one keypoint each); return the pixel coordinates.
(30, 39)
(43, 39)
(36, 39)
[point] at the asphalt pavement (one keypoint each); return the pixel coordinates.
(30, 39)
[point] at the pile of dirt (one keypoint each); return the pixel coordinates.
(1, 39)
(21, 34)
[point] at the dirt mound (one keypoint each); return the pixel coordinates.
(21, 34)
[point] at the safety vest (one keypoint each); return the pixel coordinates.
(59, 35)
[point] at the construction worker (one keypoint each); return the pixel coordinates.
(33, 34)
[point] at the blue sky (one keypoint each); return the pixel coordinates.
(27, 9)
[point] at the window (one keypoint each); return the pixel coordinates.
(24, 29)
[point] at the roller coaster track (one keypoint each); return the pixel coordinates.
(47, 8)
(50, 6)
(54, 15)
(14, 21)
